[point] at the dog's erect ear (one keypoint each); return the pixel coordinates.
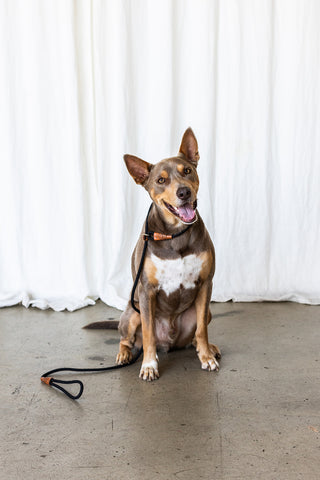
(138, 169)
(189, 147)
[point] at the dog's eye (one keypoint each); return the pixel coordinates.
(161, 180)
(187, 171)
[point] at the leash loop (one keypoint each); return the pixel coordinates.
(53, 382)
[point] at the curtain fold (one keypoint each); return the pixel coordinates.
(83, 82)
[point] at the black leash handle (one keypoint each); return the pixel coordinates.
(53, 382)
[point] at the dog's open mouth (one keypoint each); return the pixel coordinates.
(186, 213)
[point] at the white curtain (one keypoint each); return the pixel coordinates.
(83, 82)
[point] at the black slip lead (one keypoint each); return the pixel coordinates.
(53, 382)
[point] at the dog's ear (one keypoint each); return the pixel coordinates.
(189, 147)
(138, 169)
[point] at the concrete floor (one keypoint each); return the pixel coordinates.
(258, 418)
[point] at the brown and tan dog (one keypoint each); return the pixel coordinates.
(175, 286)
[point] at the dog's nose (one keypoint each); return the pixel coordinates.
(183, 193)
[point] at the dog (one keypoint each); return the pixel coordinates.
(174, 289)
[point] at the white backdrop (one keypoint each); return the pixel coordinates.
(83, 82)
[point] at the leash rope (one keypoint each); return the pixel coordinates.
(53, 382)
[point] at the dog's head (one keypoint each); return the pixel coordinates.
(173, 182)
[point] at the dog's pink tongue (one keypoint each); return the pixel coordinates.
(187, 213)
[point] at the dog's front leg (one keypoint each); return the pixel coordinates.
(149, 369)
(205, 351)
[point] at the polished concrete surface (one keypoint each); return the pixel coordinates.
(257, 418)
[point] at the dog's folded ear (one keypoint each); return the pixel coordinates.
(138, 169)
(189, 147)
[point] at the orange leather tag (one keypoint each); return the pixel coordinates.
(46, 380)
(161, 236)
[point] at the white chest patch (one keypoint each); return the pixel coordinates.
(173, 273)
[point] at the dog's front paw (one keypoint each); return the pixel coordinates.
(208, 361)
(149, 371)
(124, 356)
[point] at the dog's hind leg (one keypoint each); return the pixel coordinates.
(129, 326)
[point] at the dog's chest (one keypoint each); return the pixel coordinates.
(173, 274)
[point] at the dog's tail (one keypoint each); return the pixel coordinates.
(104, 325)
